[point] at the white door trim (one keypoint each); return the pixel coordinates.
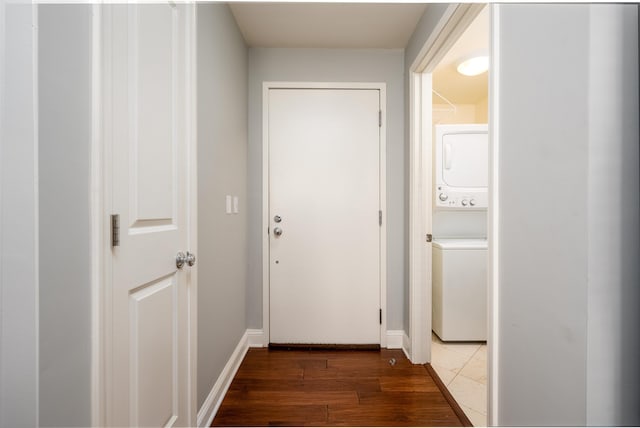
(493, 231)
(101, 208)
(192, 202)
(100, 264)
(266, 86)
(420, 219)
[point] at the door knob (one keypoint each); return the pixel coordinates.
(277, 231)
(182, 258)
(277, 219)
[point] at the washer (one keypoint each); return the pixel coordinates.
(460, 289)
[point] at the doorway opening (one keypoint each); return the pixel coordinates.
(459, 219)
(450, 204)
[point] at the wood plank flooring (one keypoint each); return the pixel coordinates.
(335, 388)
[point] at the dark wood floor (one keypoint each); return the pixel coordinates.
(335, 388)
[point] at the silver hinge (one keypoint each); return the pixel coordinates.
(115, 230)
(380, 217)
(380, 316)
(379, 118)
(429, 237)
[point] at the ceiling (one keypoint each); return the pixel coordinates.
(327, 25)
(454, 86)
(363, 26)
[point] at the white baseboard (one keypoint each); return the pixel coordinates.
(394, 339)
(406, 345)
(398, 339)
(211, 405)
(256, 338)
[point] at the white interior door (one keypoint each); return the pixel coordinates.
(324, 185)
(147, 130)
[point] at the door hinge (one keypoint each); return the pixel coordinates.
(379, 118)
(429, 237)
(380, 316)
(115, 230)
(380, 217)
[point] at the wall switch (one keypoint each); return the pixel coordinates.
(235, 205)
(228, 204)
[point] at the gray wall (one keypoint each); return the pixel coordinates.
(64, 167)
(613, 289)
(331, 65)
(18, 218)
(568, 209)
(430, 18)
(222, 170)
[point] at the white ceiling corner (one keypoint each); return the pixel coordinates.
(327, 25)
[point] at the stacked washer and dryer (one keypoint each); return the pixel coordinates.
(460, 230)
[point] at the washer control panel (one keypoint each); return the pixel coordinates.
(446, 198)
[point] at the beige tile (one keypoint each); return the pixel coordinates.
(475, 369)
(476, 418)
(446, 375)
(481, 354)
(466, 349)
(469, 393)
(435, 342)
(447, 358)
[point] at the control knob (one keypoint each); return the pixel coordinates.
(464, 202)
(472, 202)
(443, 197)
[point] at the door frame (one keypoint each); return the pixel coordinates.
(266, 86)
(452, 24)
(101, 209)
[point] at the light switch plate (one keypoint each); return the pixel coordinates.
(228, 204)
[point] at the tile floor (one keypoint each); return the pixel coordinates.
(462, 366)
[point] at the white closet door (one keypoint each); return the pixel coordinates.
(147, 129)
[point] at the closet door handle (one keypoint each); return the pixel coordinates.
(182, 258)
(191, 259)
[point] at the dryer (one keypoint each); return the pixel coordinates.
(461, 166)
(460, 289)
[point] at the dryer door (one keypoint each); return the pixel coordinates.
(465, 160)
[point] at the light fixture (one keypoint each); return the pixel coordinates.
(474, 65)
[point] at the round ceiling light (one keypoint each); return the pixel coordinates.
(474, 65)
